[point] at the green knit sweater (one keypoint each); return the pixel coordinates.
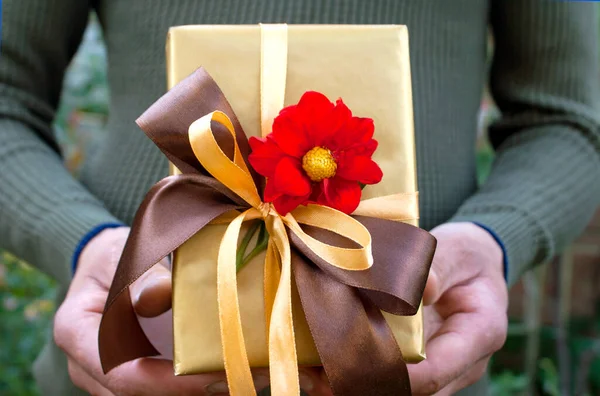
(545, 181)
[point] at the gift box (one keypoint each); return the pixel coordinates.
(258, 70)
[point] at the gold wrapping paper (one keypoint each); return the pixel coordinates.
(368, 67)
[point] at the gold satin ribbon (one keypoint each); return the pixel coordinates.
(273, 77)
(273, 73)
(235, 175)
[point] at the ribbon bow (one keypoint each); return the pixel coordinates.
(235, 175)
(341, 294)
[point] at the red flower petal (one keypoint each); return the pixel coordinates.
(367, 149)
(317, 195)
(316, 122)
(283, 203)
(290, 179)
(359, 168)
(341, 194)
(321, 199)
(286, 203)
(288, 133)
(265, 155)
(363, 128)
(356, 131)
(270, 194)
(316, 112)
(314, 106)
(321, 131)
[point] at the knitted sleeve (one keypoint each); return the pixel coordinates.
(44, 212)
(545, 181)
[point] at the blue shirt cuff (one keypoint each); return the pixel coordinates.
(500, 243)
(88, 237)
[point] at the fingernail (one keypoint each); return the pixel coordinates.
(306, 383)
(217, 387)
(261, 382)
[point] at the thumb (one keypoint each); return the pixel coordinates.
(444, 273)
(151, 293)
(432, 290)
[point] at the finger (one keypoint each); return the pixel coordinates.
(453, 251)
(76, 333)
(260, 377)
(84, 381)
(440, 279)
(115, 243)
(155, 377)
(151, 293)
(472, 375)
(433, 321)
(463, 339)
(159, 331)
(430, 294)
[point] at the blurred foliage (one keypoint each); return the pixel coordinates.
(85, 100)
(509, 384)
(507, 375)
(26, 308)
(26, 296)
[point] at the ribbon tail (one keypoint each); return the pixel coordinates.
(283, 360)
(235, 358)
(271, 281)
(156, 232)
(366, 360)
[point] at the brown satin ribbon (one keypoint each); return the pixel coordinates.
(343, 308)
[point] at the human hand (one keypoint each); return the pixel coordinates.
(465, 300)
(77, 322)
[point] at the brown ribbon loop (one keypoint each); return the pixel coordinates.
(356, 346)
(158, 229)
(166, 122)
(382, 284)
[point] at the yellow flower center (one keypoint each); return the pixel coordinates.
(318, 163)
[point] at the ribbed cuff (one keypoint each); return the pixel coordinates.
(500, 243)
(68, 224)
(522, 238)
(87, 238)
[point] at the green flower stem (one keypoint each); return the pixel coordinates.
(239, 257)
(261, 244)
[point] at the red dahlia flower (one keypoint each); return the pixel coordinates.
(318, 152)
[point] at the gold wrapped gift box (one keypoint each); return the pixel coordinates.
(368, 67)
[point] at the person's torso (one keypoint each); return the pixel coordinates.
(448, 62)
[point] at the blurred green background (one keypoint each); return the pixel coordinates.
(26, 296)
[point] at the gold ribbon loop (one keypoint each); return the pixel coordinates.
(233, 174)
(340, 223)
